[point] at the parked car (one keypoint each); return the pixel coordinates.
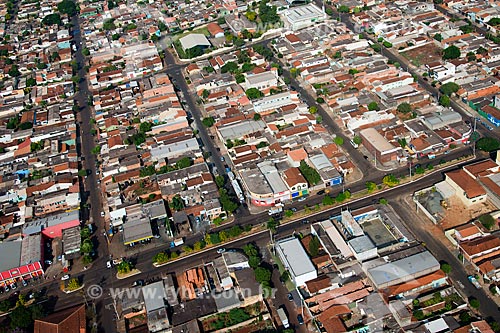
(290, 297)
(300, 319)
(305, 221)
(65, 277)
(293, 209)
(102, 214)
(301, 199)
(108, 264)
(24, 283)
(221, 250)
(48, 262)
(138, 283)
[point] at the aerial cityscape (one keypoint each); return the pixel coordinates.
(194, 166)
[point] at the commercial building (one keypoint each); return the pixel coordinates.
(376, 144)
(136, 229)
(403, 270)
(20, 260)
(303, 16)
(262, 81)
(52, 226)
(296, 261)
(194, 40)
(363, 248)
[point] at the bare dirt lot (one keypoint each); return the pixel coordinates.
(457, 214)
(423, 55)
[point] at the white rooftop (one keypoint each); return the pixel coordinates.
(192, 40)
(298, 260)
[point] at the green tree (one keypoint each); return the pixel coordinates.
(250, 250)
(474, 303)
(310, 174)
(449, 88)
(487, 221)
(52, 19)
(220, 181)
(262, 275)
(254, 262)
(390, 180)
(257, 116)
(14, 71)
(438, 37)
(488, 144)
(227, 203)
(272, 224)
(314, 246)
(446, 268)
(85, 232)
(208, 121)
(87, 246)
(20, 317)
(30, 82)
(328, 200)
(73, 284)
(338, 140)
(124, 267)
(376, 47)
(370, 187)
(343, 9)
(288, 213)
(177, 203)
(404, 108)
(205, 93)
(383, 201)
(247, 67)
(451, 52)
(444, 101)
(96, 150)
(184, 163)
(373, 106)
(67, 7)
(145, 127)
(254, 93)
(357, 140)
(230, 67)
(109, 24)
(313, 110)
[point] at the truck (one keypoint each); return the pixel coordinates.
(176, 242)
(283, 317)
(275, 210)
(474, 281)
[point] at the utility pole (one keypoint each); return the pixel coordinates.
(473, 143)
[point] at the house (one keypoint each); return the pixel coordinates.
(72, 320)
(295, 182)
(466, 187)
(479, 249)
(262, 81)
(215, 30)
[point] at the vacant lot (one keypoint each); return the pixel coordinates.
(457, 214)
(423, 55)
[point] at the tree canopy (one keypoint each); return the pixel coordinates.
(52, 19)
(449, 88)
(488, 144)
(451, 52)
(373, 106)
(254, 93)
(67, 7)
(310, 174)
(404, 108)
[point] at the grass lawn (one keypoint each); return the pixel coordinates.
(202, 30)
(288, 283)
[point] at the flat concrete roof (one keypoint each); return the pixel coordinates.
(378, 233)
(297, 258)
(361, 244)
(154, 295)
(137, 229)
(376, 140)
(11, 255)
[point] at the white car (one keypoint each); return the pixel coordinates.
(108, 264)
(65, 277)
(221, 250)
(102, 214)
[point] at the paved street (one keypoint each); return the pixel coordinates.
(99, 274)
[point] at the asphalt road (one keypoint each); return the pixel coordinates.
(98, 274)
(92, 194)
